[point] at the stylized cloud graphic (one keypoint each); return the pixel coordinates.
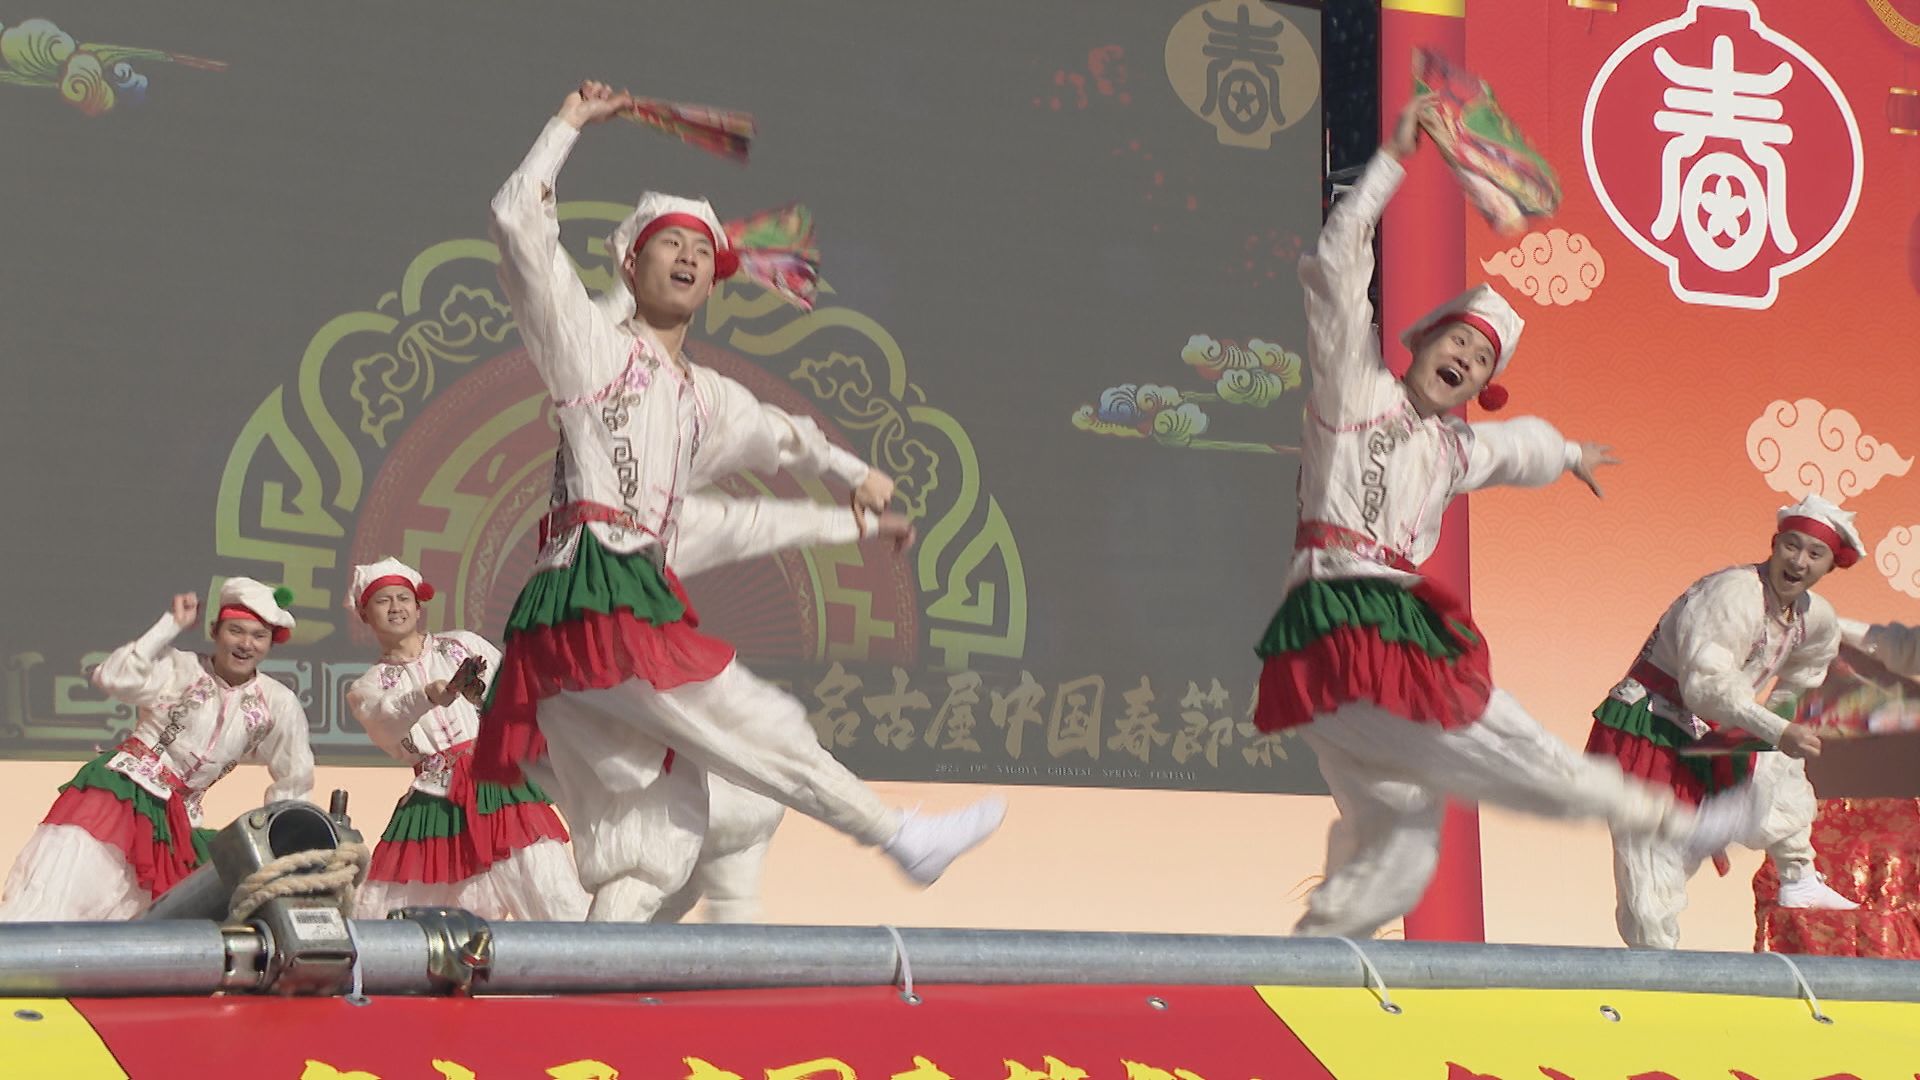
(1897, 557)
(1805, 448)
(1555, 268)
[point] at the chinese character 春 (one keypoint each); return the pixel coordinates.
(1137, 731)
(833, 722)
(1076, 717)
(1243, 81)
(1723, 102)
(891, 726)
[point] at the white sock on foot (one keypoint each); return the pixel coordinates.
(1812, 891)
(927, 844)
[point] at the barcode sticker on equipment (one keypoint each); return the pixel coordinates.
(317, 924)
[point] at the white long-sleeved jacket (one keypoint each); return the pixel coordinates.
(197, 728)
(1370, 463)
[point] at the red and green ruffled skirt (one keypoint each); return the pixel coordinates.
(1412, 650)
(1648, 746)
(154, 834)
(595, 624)
(446, 839)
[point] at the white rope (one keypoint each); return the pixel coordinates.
(1806, 990)
(1374, 981)
(356, 995)
(321, 872)
(905, 964)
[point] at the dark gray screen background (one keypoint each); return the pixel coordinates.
(166, 262)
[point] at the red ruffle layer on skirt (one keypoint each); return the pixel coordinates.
(114, 821)
(485, 840)
(1658, 764)
(594, 652)
(1352, 663)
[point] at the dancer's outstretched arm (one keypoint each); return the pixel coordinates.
(134, 673)
(571, 343)
(744, 432)
(718, 529)
(1342, 348)
(1527, 451)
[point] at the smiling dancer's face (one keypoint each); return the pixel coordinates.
(1453, 363)
(1798, 563)
(238, 647)
(671, 275)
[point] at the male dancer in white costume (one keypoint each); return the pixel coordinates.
(1383, 671)
(1730, 635)
(607, 688)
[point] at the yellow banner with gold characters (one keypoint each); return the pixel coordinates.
(1598, 1035)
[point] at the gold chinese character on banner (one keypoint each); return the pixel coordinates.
(891, 726)
(1206, 725)
(833, 722)
(1137, 731)
(1017, 709)
(1075, 726)
(955, 717)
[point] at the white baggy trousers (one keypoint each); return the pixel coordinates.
(638, 829)
(1650, 874)
(740, 828)
(1390, 778)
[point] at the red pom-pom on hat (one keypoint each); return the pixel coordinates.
(424, 593)
(1494, 397)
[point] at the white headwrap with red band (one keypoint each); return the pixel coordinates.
(1486, 311)
(373, 577)
(1816, 517)
(773, 249)
(245, 598)
(655, 211)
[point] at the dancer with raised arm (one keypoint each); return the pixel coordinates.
(608, 689)
(126, 828)
(1384, 672)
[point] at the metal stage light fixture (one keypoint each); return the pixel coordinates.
(304, 944)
